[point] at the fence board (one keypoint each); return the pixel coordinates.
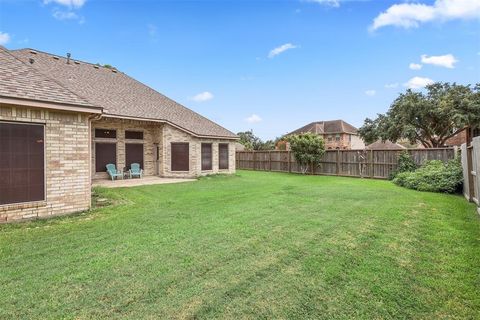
(357, 163)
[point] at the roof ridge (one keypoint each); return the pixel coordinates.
(49, 78)
(62, 57)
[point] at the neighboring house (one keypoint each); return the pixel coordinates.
(457, 140)
(63, 120)
(337, 134)
(385, 145)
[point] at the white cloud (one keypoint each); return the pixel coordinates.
(391, 85)
(4, 38)
(447, 60)
(68, 3)
(282, 48)
(411, 15)
(370, 93)
(415, 66)
(203, 96)
(67, 15)
(418, 82)
(253, 119)
(64, 15)
(330, 3)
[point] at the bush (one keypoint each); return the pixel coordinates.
(405, 164)
(434, 176)
(308, 149)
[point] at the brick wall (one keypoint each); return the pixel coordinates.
(66, 162)
(151, 135)
(171, 134)
(163, 135)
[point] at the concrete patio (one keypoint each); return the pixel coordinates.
(107, 183)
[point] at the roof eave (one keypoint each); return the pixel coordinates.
(50, 105)
(107, 115)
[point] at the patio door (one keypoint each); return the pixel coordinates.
(134, 154)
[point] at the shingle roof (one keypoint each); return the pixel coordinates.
(20, 81)
(119, 94)
(387, 145)
(327, 127)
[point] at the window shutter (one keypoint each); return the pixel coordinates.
(180, 157)
(223, 156)
(206, 156)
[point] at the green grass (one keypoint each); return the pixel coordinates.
(254, 245)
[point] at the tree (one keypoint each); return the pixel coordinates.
(249, 140)
(252, 142)
(308, 149)
(429, 117)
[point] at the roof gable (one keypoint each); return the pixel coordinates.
(327, 127)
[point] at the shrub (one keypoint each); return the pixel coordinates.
(434, 176)
(405, 164)
(308, 149)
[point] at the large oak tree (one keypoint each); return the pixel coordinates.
(429, 117)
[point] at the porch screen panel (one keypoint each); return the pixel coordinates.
(22, 163)
(223, 156)
(180, 157)
(105, 153)
(206, 156)
(134, 154)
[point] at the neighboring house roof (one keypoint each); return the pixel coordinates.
(327, 127)
(120, 95)
(18, 80)
(387, 145)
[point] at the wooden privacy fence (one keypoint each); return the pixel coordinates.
(471, 171)
(352, 163)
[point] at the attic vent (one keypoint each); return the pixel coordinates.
(76, 62)
(95, 66)
(114, 70)
(55, 57)
(33, 52)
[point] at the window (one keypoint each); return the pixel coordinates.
(180, 156)
(105, 153)
(223, 156)
(133, 154)
(134, 135)
(337, 137)
(330, 138)
(206, 156)
(105, 133)
(22, 163)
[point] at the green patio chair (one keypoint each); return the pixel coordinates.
(113, 172)
(135, 170)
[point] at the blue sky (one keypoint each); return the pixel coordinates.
(270, 66)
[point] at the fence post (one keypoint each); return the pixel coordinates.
(471, 186)
(289, 163)
(372, 167)
(254, 161)
(338, 162)
(270, 161)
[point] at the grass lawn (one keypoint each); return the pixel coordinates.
(254, 245)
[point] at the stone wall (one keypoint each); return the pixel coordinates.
(66, 163)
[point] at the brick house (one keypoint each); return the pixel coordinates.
(63, 120)
(337, 134)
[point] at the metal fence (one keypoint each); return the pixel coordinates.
(352, 163)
